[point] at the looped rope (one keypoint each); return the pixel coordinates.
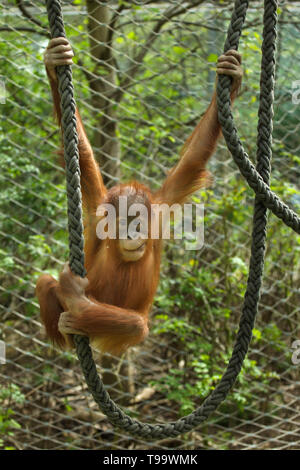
(247, 169)
(258, 179)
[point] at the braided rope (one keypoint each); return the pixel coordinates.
(70, 140)
(247, 169)
(258, 179)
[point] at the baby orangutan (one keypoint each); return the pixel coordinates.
(111, 305)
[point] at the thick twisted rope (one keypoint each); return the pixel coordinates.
(70, 141)
(258, 178)
(247, 169)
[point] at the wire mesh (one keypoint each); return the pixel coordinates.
(144, 72)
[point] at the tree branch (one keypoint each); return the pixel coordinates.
(166, 16)
(111, 26)
(11, 29)
(202, 25)
(26, 14)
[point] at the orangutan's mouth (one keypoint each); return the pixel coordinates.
(140, 248)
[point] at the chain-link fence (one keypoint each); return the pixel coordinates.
(144, 72)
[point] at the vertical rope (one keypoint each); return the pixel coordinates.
(70, 141)
(255, 180)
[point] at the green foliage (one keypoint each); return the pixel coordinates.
(203, 304)
(9, 396)
(200, 294)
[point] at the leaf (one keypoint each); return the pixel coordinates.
(212, 58)
(179, 49)
(256, 333)
(132, 35)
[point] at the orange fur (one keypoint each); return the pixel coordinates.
(113, 309)
(46, 291)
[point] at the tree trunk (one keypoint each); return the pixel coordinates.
(103, 84)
